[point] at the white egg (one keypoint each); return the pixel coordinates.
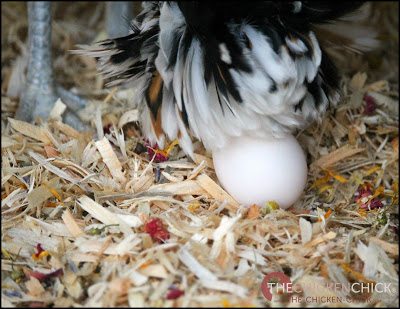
(255, 171)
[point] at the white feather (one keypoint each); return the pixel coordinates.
(168, 116)
(225, 56)
(296, 45)
(264, 110)
(197, 83)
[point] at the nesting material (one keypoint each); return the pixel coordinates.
(79, 209)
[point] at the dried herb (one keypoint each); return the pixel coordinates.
(155, 228)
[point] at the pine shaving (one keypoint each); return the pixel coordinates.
(30, 130)
(71, 224)
(110, 159)
(330, 159)
(216, 191)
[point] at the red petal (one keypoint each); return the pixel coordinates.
(174, 294)
(161, 235)
(39, 250)
(41, 276)
(155, 228)
(363, 190)
(376, 203)
(150, 152)
(370, 105)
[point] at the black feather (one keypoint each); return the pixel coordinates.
(208, 22)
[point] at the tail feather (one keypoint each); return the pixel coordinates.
(122, 60)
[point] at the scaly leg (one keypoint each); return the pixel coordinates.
(40, 92)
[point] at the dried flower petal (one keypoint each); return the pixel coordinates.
(366, 199)
(338, 177)
(155, 228)
(225, 303)
(39, 249)
(370, 105)
(321, 181)
(374, 203)
(41, 276)
(326, 215)
(160, 156)
(146, 264)
(362, 212)
(174, 293)
(372, 170)
(193, 206)
(364, 190)
(270, 206)
(40, 253)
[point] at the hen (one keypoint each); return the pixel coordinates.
(215, 70)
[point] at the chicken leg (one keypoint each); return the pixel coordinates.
(40, 91)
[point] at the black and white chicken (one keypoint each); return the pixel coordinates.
(215, 70)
